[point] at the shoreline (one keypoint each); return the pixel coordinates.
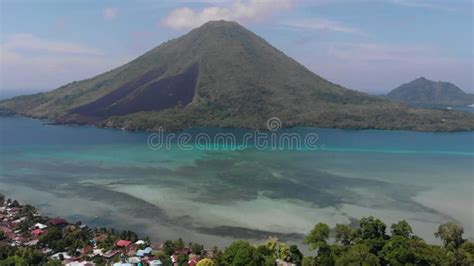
(263, 128)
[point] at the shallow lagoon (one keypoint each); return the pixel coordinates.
(110, 177)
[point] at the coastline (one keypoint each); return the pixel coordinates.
(263, 128)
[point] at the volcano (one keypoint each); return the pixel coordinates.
(222, 75)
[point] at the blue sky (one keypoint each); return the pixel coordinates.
(371, 46)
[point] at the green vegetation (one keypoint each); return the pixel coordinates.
(21, 256)
(424, 92)
(368, 244)
(240, 86)
(206, 262)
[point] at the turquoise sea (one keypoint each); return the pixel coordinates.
(111, 177)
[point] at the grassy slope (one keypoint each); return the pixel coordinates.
(242, 82)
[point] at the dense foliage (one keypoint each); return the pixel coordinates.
(369, 244)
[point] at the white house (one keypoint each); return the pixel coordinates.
(40, 226)
(57, 256)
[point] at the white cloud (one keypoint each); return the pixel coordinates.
(27, 61)
(322, 25)
(248, 11)
(110, 13)
(26, 41)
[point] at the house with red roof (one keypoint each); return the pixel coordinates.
(86, 250)
(58, 221)
(123, 243)
(37, 232)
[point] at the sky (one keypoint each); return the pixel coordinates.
(371, 45)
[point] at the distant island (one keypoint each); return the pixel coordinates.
(28, 238)
(425, 92)
(222, 75)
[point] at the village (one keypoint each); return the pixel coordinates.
(28, 238)
(57, 242)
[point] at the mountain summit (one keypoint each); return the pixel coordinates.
(221, 75)
(422, 91)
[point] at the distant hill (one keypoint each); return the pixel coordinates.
(426, 92)
(222, 75)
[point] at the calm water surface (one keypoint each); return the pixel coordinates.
(110, 177)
